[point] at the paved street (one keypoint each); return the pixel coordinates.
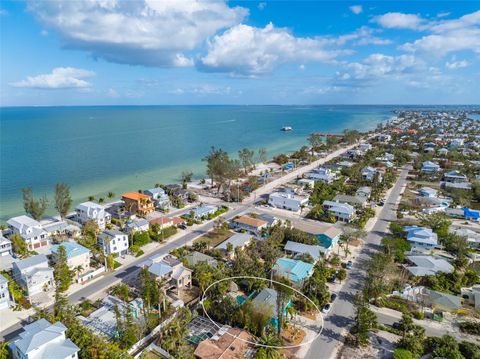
(340, 318)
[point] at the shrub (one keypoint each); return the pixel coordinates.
(470, 327)
(419, 315)
(401, 353)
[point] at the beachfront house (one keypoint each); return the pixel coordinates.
(113, 242)
(238, 240)
(170, 269)
(137, 225)
(33, 274)
(91, 211)
(203, 212)
(287, 200)
(139, 203)
(424, 265)
(159, 196)
(294, 270)
(78, 256)
(299, 249)
(430, 167)
(43, 340)
(4, 293)
(421, 238)
(30, 230)
(249, 224)
(343, 212)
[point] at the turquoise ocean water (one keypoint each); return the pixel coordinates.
(117, 148)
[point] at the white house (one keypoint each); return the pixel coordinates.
(137, 225)
(113, 242)
(368, 174)
(364, 147)
(87, 211)
(168, 267)
(343, 212)
(42, 340)
(159, 196)
(5, 246)
(422, 238)
(287, 200)
(456, 142)
(427, 192)
(250, 224)
(455, 177)
(204, 211)
(78, 256)
(238, 240)
(322, 174)
(430, 167)
(4, 293)
(473, 238)
(33, 274)
(428, 265)
(364, 191)
(30, 230)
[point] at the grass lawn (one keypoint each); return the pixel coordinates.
(116, 264)
(151, 355)
(214, 237)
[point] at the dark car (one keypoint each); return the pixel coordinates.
(326, 308)
(349, 265)
(182, 226)
(397, 326)
(333, 297)
(332, 278)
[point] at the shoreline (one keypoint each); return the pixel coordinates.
(164, 174)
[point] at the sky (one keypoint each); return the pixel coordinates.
(189, 52)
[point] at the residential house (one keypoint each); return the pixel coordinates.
(299, 249)
(455, 177)
(346, 164)
(78, 256)
(137, 225)
(288, 201)
(271, 220)
(456, 142)
(33, 274)
(170, 269)
(321, 174)
(5, 247)
(327, 235)
(238, 240)
(60, 228)
(103, 320)
(369, 174)
(306, 183)
(138, 203)
(4, 293)
(159, 197)
(194, 258)
(343, 212)
(427, 265)
(203, 211)
(364, 147)
(249, 224)
(43, 340)
(430, 167)
(442, 152)
(91, 211)
(294, 270)
(235, 343)
(364, 191)
(421, 238)
(473, 238)
(113, 242)
(443, 301)
(427, 192)
(164, 222)
(267, 298)
(357, 201)
(471, 296)
(30, 230)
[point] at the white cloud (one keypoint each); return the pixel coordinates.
(203, 89)
(146, 32)
(356, 9)
(59, 78)
(398, 20)
(449, 36)
(362, 36)
(248, 50)
(262, 5)
(457, 64)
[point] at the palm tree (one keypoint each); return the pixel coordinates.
(162, 295)
(351, 233)
(270, 340)
(110, 194)
(91, 198)
(77, 270)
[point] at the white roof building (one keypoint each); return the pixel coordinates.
(42, 340)
(87, 211)
(33, 274)
(428, 265)
(30, 230)
(287, 200)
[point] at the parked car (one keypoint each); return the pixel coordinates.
(332, 278)
(326, 308)
(182, 226)
(397, 326)
(333, 297)
(349, 265)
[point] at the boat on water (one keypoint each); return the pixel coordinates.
(286, 128)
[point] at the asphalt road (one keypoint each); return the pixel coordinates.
(341, 316)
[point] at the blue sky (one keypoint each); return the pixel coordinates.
(102, 52)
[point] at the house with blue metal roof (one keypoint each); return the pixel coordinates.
(294, 270)
(78, 256)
